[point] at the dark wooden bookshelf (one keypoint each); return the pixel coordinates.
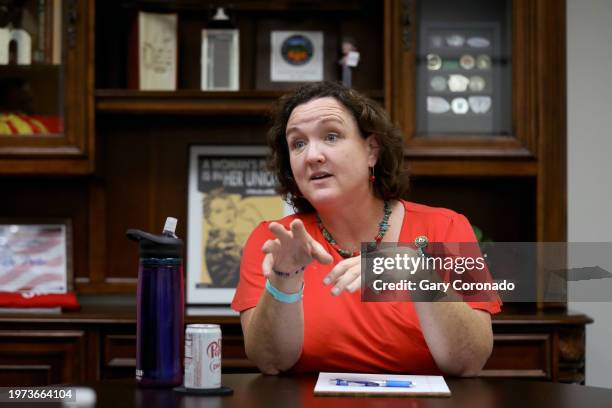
(123, 163)
(116, 136)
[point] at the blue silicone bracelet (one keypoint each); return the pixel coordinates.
(282, 296)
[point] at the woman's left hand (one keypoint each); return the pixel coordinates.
(346, 276)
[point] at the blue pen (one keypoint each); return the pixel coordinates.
(371, 383)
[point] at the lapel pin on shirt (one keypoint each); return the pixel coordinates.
(421, 243)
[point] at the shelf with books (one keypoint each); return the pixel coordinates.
(125, 58)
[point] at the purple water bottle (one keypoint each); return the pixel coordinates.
(161, 307)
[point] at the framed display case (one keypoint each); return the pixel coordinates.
(46, 88)
(479, 91)
(466, 77)
(463, 80)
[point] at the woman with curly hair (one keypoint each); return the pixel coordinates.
(339, 162)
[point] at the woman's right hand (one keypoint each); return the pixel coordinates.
(292, 249)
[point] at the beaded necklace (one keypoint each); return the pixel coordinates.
(383, 226)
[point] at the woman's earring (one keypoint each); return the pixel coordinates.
(372, 176)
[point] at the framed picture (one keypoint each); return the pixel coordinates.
(296, 56)
(35, 255)
(220, 60)
(292, 54)
(229, 193)
(463, 79)
(157, 51)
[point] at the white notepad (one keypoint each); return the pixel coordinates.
(422, 385)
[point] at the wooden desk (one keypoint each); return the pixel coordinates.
(254, 390)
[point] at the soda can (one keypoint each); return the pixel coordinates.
(202, 356)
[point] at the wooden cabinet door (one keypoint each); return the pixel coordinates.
(526, 355)
(477, 78)
(37, 358)
(46, 106)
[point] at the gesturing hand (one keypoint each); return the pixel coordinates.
(346, 276)
(292, 249)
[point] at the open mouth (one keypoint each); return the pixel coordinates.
(320, 176)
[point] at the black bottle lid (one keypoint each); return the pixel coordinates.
(156, 246)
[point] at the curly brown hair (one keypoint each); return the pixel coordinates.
(391, 178)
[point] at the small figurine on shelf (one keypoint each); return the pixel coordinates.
(17, 26)
(23, 42)
(349, 60)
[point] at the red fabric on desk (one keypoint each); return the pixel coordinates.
(67, 301)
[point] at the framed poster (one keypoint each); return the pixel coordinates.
(229, 193)
(35, 256)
